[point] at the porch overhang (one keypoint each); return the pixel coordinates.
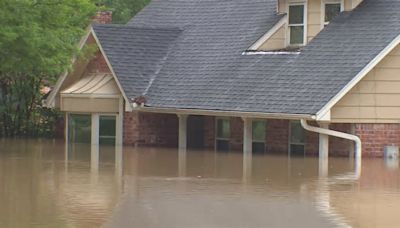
(93, 93)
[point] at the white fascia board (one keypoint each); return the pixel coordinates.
(323, 112)
(268, 35)
(128, 107)
(253, 115)
(49, 102)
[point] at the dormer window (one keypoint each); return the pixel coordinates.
(331, 10)
(296, 24)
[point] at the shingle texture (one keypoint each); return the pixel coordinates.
(188, 54)
(136, 54)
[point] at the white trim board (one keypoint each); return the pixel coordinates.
(321, 114)
(269, 34)
(202, 112)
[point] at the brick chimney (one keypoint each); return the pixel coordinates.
(103, 17)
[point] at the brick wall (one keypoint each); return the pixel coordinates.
(98, 64)
(131, 130)
(277, 136)
(153, 129)
(338, 146)
(375, 137)
(236, 142)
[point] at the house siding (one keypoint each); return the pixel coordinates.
(276, 41)
(376, 98)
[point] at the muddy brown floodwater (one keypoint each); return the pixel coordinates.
(42, 186)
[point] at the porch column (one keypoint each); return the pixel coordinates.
(323, 151)
(247, 135)
(95, 129)
(182, 143)
(247, 148)
(324, 142)
(94, 153)
(120, 124)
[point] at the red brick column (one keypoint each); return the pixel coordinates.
(375, 137)
(131, 130)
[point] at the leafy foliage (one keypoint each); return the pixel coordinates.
(37, 40)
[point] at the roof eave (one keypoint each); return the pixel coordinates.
(204, 112)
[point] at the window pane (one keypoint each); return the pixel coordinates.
(296, 150)
(296, 14)
(296, 133)
(223, 129)
(79, 128)
(296, 35)
(222, 145)
(259, 131)
(331, 11)
(107, 130)
(258, 147)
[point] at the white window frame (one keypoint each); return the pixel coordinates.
(323, 3)
(216, 131)
(116, 125)
(305, 21)
(290, 139)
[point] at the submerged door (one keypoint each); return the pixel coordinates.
(79, 128)
(107, 130)
(195, 134)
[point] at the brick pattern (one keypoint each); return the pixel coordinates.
(153, 129)
(338, 146)
(98, 64)
(375, 137)
(277, 136)
(131, 130)
(103, 17)
(236, 141)
(157, 129)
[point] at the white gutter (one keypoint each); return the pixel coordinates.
(338, 134)
(223, 113)
(355, 139)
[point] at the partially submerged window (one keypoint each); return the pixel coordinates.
(79, 128)
(107, 129)
(296, 139)
(223, 135)
(332, 9)
(258, 130)
(296, 24)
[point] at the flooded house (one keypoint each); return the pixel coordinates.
(296, 77)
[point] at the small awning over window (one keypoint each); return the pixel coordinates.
(93, 93)
(94, 84)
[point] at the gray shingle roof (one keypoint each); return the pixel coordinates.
(204, 68)
(136, 54)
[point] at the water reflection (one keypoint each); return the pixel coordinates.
(44, 183)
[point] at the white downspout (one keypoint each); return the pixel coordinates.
(338, 134)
